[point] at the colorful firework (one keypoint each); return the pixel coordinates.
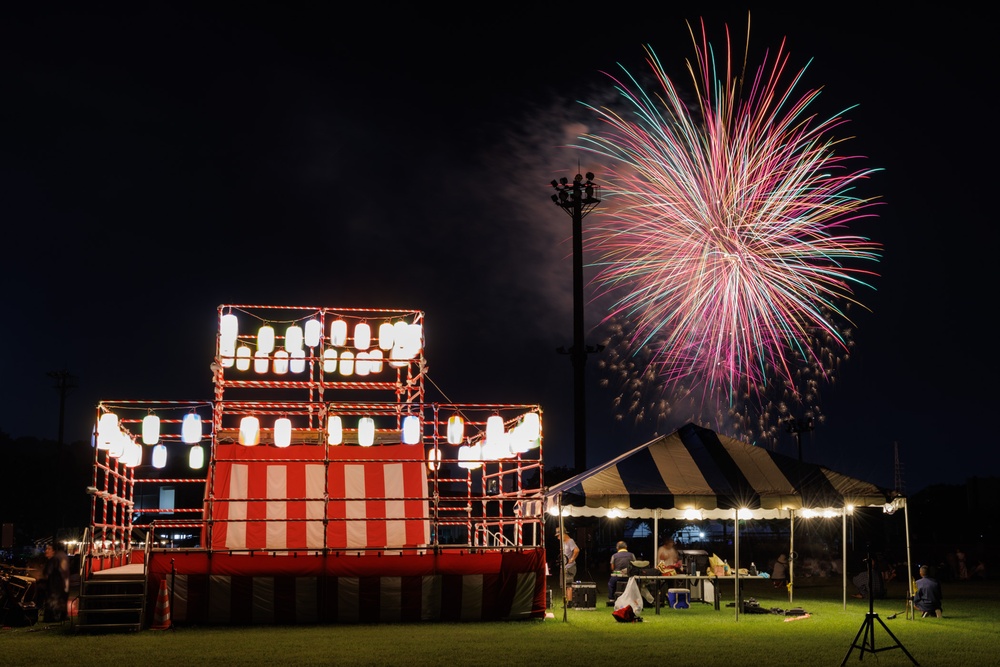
(723, 244)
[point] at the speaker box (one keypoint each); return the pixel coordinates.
(585, 595)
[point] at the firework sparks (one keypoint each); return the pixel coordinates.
(724, 241)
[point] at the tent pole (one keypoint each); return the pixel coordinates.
(562, 557)
(843, 557)
(736, 561)
(791, 558)
(909, 564)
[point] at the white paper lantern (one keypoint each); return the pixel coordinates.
(470, 457)
(456, 430)
(191, 428)
(366, 431)
(338, 333)
(494, 427)
(362, 336)
(265, 339)
(313, 333)
(297, 364)
(385, 335)
(346, 362)
(433, 459)
(293, 338)
(107, 430)
(411, 430)
(280, 362)
(196, 457)
(329, 360)
(260, 362)
(249, 431)
(150, 429)
(132, 456)
(362, 363)
(282, 432)
(159, 456)
(119, 445)
(334, 430)
(229, 329)
(243, 358)
(375, 364)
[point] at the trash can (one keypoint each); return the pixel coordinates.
(678, 598)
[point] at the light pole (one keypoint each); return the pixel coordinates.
(797, 427)
(578, 199)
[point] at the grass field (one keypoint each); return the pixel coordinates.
(968, 635)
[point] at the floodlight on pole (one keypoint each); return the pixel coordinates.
(578, 199)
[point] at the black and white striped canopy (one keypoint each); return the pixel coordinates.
(696, 470)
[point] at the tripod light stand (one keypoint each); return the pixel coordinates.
(867, 631)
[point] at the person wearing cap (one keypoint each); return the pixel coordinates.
(570, 553)
(620, 561)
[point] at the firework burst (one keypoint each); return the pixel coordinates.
(723, 246)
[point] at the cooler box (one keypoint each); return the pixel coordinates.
(678, 598)
(585, 595)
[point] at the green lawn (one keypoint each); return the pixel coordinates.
(968, 635)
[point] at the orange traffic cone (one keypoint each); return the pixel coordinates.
(161, 619)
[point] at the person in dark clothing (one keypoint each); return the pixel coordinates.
(927, 599)
(879, 579)
(620, 561)
(56, 575)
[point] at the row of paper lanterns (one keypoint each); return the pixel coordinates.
(401, 340)
(497, 443)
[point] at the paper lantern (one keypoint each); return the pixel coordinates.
(334, 430)
(159, 456)
(132, 456)
(362, 363)
(433, 459)
(243, 358)
(375, 364)
(265, 339)
(470, 457)
(293, 338)
(411, 430)
(338, 333)
(494, 427)
(229, 329)
(366, 431)
(280, 362)
(313, 332)
(282, 432)
(297, 364)
(362, 336)
(107, 430)
(329, 360)
(532, 424)
(456, 430)
(385, 335)
(249, 431)
(119, 445)
(150, 429)
(260, 362)
(196, 457)
(346, 362)
(191, 428)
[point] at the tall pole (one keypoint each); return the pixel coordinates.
(64, 382)
(797, 427)
(578, 199)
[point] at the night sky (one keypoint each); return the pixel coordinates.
(162, 160)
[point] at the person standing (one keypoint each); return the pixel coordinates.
(667, 556)
(620, 562)
(56, 574)
(927, 599)
(570, 553)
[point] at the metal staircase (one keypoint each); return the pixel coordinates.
(111, 603)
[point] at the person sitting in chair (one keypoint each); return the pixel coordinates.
(927, 599)
(620, 561)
